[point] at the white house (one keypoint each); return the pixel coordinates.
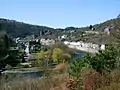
(66, 42)
(47, 42)
(88, 47)
(102, 47)
(64, 36)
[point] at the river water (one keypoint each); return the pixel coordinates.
(40, 73)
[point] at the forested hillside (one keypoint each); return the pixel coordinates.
(15, 28)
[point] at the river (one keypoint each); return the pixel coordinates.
(33, 73)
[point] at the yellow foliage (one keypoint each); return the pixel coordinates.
(57, 54)
(48, 53)
(41, 55)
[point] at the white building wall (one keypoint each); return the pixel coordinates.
(47, 42)
(102, 47)
(88, 47)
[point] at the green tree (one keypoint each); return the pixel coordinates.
(103, 61)
(3, 43)
(42, 56)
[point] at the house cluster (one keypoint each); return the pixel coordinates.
(91, 32)
(106, 30)
(41, 40)
(87, 47)
(47, 41)
(62, 37)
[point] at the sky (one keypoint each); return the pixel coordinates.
(60, 13)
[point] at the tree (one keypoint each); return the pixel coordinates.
(92, 66)
(77, 66)
(3, 43)
(66, 57)
(104, 61)
(64, 48)
(57, 55)
(43, 57)
(49, 56)
(48, 53)
(40, 55)
(90, 27)
(37, 58)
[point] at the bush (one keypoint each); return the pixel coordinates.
(104, 61)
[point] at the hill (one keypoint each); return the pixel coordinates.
(15, 28)
(113, 25)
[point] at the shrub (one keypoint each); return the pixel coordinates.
(104, 61)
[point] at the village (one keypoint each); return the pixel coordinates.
(79, 45)
(25, 48)
(60, 45)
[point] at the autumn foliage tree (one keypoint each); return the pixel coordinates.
(56, 55)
